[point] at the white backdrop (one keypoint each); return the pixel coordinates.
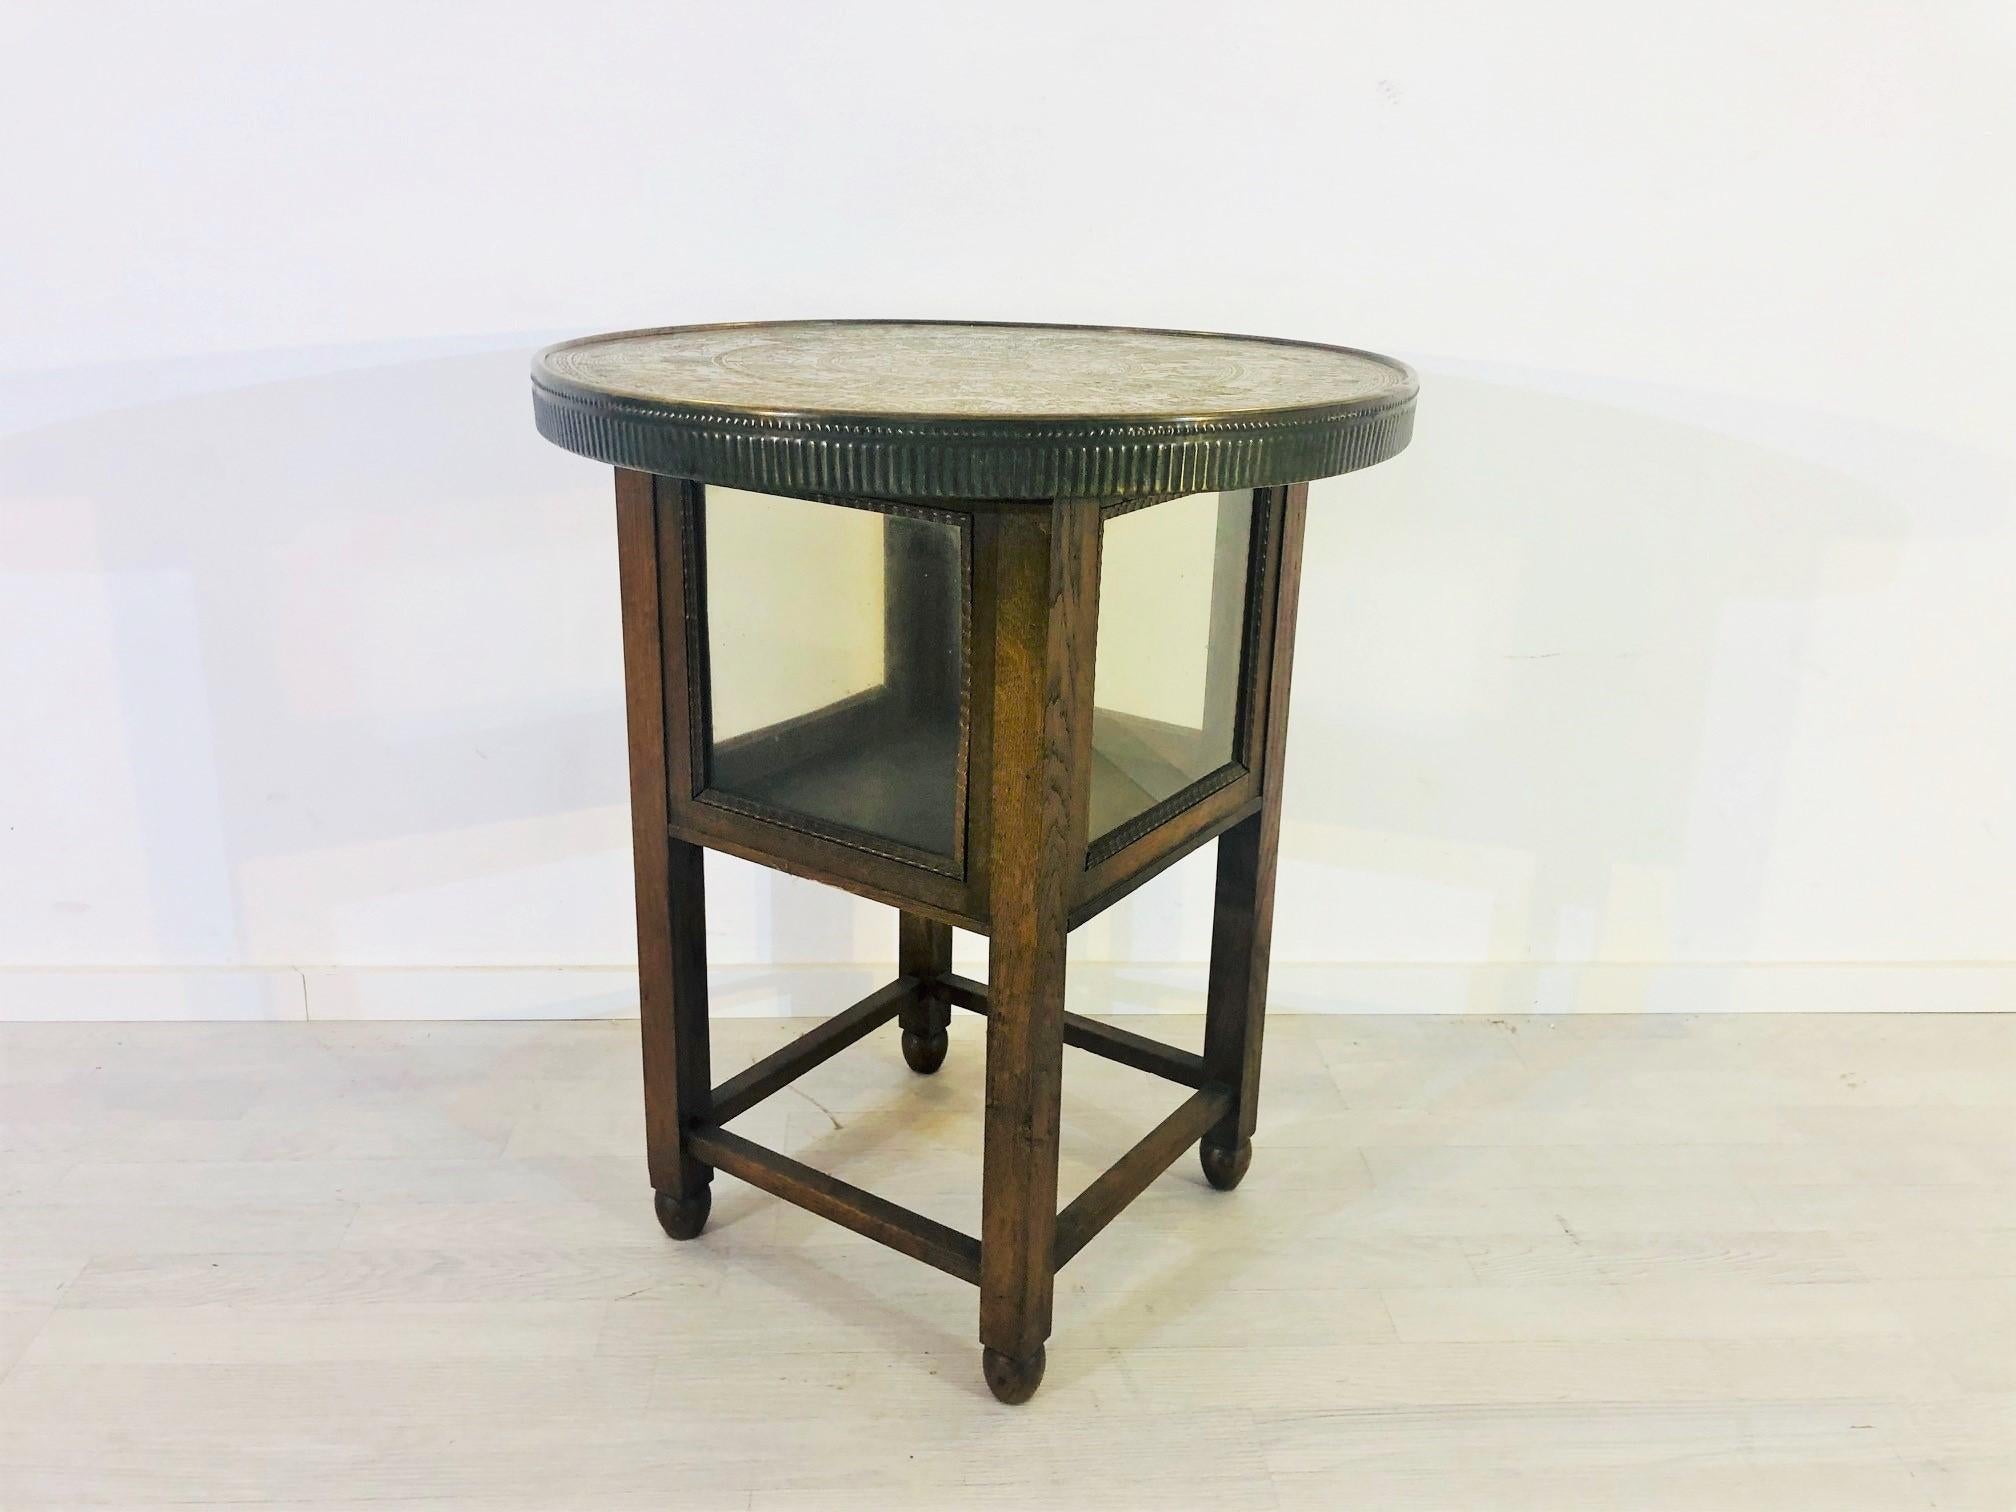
(1670, 668)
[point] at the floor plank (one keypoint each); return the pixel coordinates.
(1586, 1262)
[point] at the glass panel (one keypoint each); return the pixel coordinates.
(836, 659)
(1172, 627)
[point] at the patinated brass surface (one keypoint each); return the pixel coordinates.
(970, 371)
(917, 409)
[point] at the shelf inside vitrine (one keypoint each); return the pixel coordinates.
(866, 764)
(1139, 762)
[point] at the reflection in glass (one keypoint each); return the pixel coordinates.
(1172, 622)
(836, 657)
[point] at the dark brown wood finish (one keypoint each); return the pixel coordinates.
(679, 588)
(982, 626)
(924, 954)
(1243, 917)
(670, 879)
(1104, 883)
(1270, 518)
(880, 878)
(1023, 441)
(875, 1217)
(1100, 1203)
(1045, 580)
(1033, 580)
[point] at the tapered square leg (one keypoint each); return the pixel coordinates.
(1242, 921)
(1045, 577)
(672, 973)
(924, 951)
(671, 884)
(1235, 1011)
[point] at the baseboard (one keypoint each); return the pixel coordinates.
(587, 992)
(597, 992)
(139, 995)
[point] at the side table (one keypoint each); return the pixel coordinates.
(991, 623)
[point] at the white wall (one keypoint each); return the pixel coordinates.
(1671, 666)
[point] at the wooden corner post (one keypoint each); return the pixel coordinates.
(1242, 923)
(671, 885)
(1041, 586)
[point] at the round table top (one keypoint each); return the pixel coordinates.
(951, 410)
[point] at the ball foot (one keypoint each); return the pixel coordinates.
(1013, 1381)
(684, 1217)
(925, 1052)
(1225, 1168)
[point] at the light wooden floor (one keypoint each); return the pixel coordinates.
(1541, 1263)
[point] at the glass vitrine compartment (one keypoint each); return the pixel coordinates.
(1170, 661)
(836, 665)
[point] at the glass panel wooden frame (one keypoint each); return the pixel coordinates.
(950, 863)
(1244, 754)
(926, 884)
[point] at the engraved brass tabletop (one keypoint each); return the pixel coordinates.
(922, 409)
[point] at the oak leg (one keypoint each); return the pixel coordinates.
(671, 884)
(1242, 920)
(1235, 1010)
(924, 951)
(1045, 583)
(673, 972)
